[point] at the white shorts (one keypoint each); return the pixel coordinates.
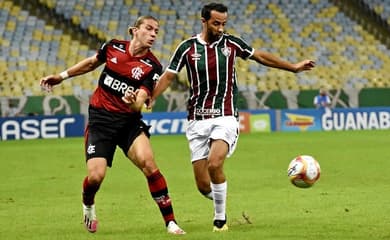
(200, 132)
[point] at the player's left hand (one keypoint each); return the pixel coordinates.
(150, 103)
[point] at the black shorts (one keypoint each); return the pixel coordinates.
(106, 130)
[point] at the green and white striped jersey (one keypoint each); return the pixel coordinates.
(211, 73)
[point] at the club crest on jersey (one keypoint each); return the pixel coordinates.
(137, 73)
(226, 51)
(91, 149)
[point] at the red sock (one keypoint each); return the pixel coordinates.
(89, 192)
(159, 190)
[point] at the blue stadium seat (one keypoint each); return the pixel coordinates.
(282, 27)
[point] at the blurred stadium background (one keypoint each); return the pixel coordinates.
(350, 41)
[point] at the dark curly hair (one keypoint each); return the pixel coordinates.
(206, 10)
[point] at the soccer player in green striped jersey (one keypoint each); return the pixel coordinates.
(213, 128)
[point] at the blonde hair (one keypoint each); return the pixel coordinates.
(139, 21)
(323, 90)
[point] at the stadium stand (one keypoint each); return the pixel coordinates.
(380, 7)
(30, 49)
(347, 55)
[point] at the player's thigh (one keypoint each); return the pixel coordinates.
(99, 143)
(197, 134)
(225, 129)
(141, 154)
(218, 151)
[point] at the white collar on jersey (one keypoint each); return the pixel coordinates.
(205, 43)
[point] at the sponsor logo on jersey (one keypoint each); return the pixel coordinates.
(207, 111)
(117, 85)
(195, 56)
(156, 77)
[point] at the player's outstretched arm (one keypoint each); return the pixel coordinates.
(84, 66)
(271, 60)
(162, 84)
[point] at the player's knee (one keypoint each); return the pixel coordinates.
(214, 166)
(96, 170)
(95, 177)
(148, 166)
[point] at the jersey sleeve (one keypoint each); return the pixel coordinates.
(177, 60)
(244, 51)
(102, 52)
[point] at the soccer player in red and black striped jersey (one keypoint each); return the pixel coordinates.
(213, 128)
(126, 82)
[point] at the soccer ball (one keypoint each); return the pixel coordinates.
(303, 171)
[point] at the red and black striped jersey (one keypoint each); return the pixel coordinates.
(211, 73)
(121, 72)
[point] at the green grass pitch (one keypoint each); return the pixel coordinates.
(40, 190)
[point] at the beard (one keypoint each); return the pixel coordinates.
(214, 36)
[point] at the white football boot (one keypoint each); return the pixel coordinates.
(90, 220)
(173, 228)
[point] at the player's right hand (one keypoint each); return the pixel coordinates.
(130, 97)
(47, 83)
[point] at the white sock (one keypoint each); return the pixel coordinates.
(219, 200)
